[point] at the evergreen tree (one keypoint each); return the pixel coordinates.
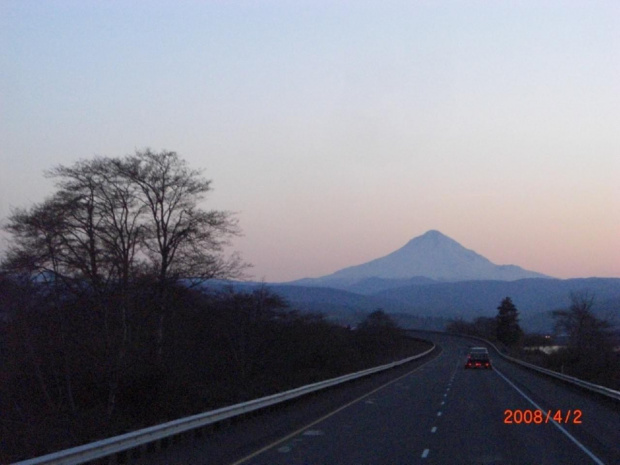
(508, 330)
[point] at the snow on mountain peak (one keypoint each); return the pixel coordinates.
(432, 255)
(431, 238)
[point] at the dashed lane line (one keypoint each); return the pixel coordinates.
(339, 409)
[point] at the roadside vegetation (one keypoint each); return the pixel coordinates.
(221, 348)
(106, 325)
(581, 345)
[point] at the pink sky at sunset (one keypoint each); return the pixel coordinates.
(338, 131)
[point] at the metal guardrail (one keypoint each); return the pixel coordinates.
(114, 445)
(605, 391)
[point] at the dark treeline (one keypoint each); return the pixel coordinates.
(61, 361)
(585, 345)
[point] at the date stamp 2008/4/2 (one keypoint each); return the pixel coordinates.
(517, 417)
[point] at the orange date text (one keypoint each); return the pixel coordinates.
(538, 417)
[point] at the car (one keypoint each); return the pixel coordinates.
(478, 350)
(478, 359)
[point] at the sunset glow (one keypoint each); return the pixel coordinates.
(338, 131)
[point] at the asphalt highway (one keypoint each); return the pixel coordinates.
(429, 412)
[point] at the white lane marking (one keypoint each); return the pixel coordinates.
(438, 414)
(442, 403)
(433, 429)
(331, 414)
(425, 453)
(313, 432)
(446, 394)
(553, 422)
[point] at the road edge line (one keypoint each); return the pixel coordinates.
(557, 425)
(330, 414)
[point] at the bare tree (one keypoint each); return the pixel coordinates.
(182, 241)
(112, 218)
(590, 352)
(585, 331)
(40, 257)
(104, 222)
(113, 222)
(101, 218)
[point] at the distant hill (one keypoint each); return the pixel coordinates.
(431, 303)
(430, 256)
(335, 303)
(464, 299)
(345, 307)
(369, 286)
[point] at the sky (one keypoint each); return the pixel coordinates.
(337, 130)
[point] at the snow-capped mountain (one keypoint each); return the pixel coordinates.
(431, 255)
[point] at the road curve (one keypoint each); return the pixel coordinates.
(431, 412)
